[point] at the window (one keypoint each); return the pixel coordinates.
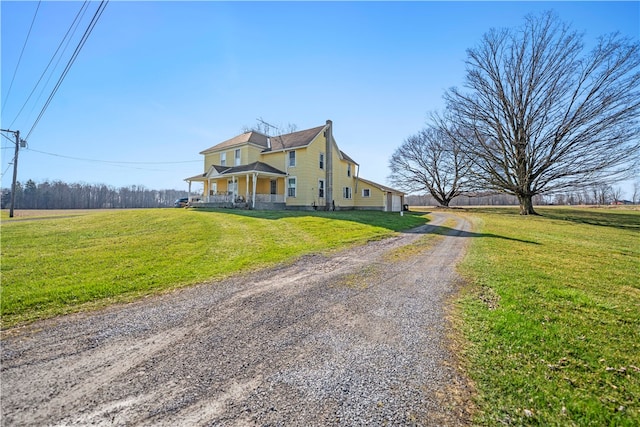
(291, 187)
(348, 169)
(321, 188)
(366, 192)
(232, 187)
(346, 193)
(274, 186)
(223, 159)
(321, 160)
(237, 157)
(292, 158)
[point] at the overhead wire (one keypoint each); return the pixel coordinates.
(85, 36)
(113, 162)
(73, 26)
(8, 166)
(21, 52)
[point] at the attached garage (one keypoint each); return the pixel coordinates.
(371, 195)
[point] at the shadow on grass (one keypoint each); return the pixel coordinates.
(454, 232)
(411, 222)
(389, 220)
(604, 217)
(626, 220)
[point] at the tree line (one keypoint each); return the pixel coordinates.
(597, 195)
(62, 195)
(538, 116)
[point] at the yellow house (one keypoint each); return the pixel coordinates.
(299, 170)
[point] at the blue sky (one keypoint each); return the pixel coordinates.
(158, 82)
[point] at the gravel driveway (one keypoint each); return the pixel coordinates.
(355, 338)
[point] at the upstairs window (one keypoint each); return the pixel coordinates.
(237, 157)
(321, 161)
(366, 192)
(348, 169)
(292, 158)
(223, 159)
(346, 192)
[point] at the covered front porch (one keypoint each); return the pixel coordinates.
(254, 186)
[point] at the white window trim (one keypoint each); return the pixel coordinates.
(295, 186)
(321, 161)
(344, 193)
(237, 156)
(223, 159)
(294, 159)
(368, 192)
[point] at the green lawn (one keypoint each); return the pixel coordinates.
(61, 263)
(550, 320)
(552, 317)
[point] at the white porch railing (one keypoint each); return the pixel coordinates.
(270, 198)
(260, 198)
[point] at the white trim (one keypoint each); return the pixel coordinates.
(295, 186)
(344, 193)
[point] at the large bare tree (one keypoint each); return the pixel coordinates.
(432, 161)
(541, 115)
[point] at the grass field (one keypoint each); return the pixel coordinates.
(552, 317)
(56, 262)
(549, 323)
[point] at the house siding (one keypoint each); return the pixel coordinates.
(306, 171)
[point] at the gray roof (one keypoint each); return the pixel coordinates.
(287, 141)
(295, 139)
(380, 186)
(251, 136)
(252, 167)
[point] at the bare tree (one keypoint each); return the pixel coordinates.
(544, 116)
(636, 192)
(432, 161)
(616, 194)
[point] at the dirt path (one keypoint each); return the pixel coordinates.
(347, 339)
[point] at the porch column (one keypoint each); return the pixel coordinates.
(235, 188)
(253, 198)
(208, 190)
(286, 188)
(246, 197)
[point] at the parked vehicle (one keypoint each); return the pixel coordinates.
(181, 203)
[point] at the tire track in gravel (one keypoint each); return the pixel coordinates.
(294, 345)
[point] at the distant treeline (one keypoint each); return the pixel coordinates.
(595, 195)
(62, 195)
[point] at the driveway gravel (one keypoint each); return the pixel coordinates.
(353, 338)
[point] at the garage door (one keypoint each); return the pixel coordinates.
(396, 205)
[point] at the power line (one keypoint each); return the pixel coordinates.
(8, 166)
(21, 52)
(113, 162)
(80, 13)
(85, 36)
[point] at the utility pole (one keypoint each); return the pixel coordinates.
(16, 133)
